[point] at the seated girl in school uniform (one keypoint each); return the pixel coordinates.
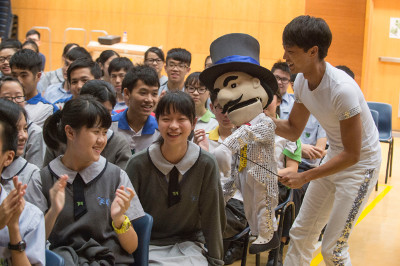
(19, 166)
(178, 184)
(88, 202)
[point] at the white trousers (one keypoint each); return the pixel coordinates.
(335, 201)
(257, 207)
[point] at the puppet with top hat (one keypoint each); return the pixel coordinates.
(244, 89)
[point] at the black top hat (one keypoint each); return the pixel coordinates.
(237, 52)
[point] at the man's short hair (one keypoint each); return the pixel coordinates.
(28, 60)
(281, 66)
(180, 54)
(11, 44)
(32, 32)
(140, 72)
(101, 90)
(78, 52)
(306, 32)
(347, 70)
(95, 69)
(120, 63)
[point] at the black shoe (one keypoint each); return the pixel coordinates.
(233, 254)
(271, 256)
(258, 248)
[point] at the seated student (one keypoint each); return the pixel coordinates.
(117, 70)
(78, 73)
(104, 61)
(61, 90)
(34, 35)
(207, 62)
(189, 208)
(154, 57)
(281, 72)
(7, 50)
(88, 201)
(55, 76)
(177, 67)
(136, 123)
(22, 229)
(117, 149)
(19, 166)
(31, 45)
(25, 66)
(12, 90)
(199, 93)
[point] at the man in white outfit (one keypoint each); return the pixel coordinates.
(341, 185)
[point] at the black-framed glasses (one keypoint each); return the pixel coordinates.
(3, 59)
(178, 66)
(218, 108)
(152, 61)
(16, 99)
(283, 80)
(192, 89)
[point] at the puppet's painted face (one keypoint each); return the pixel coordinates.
(241, 95)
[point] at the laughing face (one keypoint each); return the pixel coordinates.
(241, 96)
(142, 99)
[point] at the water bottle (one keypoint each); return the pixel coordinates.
(125, 37)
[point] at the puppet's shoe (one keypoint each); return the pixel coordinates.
(261, 245)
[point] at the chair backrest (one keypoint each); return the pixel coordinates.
(143, 227)
(375, 116)
(385, 119)
(53, 259)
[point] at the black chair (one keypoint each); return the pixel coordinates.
(53, 259)
(385, 131)
(242, 236)
(280, 212)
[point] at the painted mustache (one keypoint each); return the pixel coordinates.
(231, 103)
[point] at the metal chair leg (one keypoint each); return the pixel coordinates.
(387, 165)
(258, 259)
(391, 157)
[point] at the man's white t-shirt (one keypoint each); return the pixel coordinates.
(338, 97)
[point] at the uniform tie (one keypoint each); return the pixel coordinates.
(173, 187)
(79, 197)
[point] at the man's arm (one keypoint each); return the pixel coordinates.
(350, 130)
(291, 129)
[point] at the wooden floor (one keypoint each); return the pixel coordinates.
(375, 239)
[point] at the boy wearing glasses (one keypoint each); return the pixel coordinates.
(26, 67)
(135, 123)
(177, 67)
(281, 72)
(199, 93)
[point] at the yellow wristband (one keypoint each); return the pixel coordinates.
(124, 227)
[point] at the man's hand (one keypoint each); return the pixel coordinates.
(311, 152)
(293, 180)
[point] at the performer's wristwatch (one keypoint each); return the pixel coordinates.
(20, 246)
